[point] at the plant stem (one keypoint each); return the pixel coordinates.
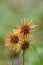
(23, 57)
(12, 58)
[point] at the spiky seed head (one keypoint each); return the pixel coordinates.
(24, 45)
(26, 27)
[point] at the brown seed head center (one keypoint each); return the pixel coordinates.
(25, 29)
(14, 39)
(25, 45)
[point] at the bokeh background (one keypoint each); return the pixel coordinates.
(11, 11)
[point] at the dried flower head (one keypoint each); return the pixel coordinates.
(26, 27)
(12, 40)
(24, 45)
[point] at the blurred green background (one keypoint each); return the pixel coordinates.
(11, 11)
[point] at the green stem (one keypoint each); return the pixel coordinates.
(12, 59)
(23, 57)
